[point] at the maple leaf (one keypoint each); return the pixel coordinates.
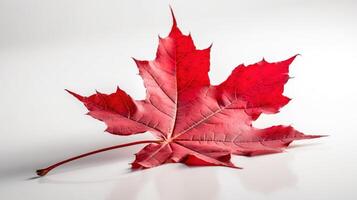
(196, 123)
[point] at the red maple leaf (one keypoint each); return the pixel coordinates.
(196, 123)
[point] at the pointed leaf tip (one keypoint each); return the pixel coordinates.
(174, 23)
(291, 59)
(175, 31)
(97, 92)
(79, 97)
(317, 136)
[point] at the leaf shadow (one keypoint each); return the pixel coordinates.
(170, 181)
(268, 174)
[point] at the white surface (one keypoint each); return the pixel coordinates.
(46, 46)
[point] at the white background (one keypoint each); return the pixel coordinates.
(83, 45)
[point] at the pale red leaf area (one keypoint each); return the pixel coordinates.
(197, 123)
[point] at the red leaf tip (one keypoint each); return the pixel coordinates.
(175, 31)
(316, 136)
(174, 23)
(291, 59)
(79, 97)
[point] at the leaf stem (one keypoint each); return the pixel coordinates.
(44, 171)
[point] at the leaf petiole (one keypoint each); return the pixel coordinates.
(44, 171)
